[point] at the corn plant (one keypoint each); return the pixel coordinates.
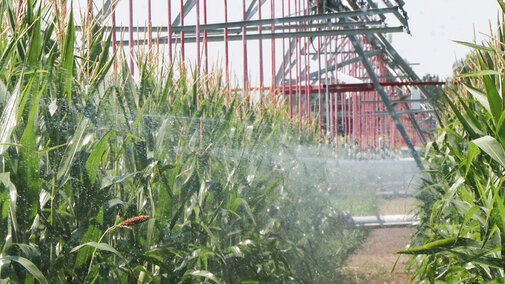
(461, 236)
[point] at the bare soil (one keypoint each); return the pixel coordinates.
(374, 262)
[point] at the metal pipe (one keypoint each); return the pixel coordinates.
(272, 14)
(226, 51)
(319, 76)
(181, 14)
(149, 26)
(130, 6)
(290, 68)
(198, 63)
(295, 19)
(283, 52)
(169, 30)
(300, 34)
(299, 75)
(244, 44)
(307, 71)
(260, 42)
(114, 45)
(205, 39)
(198, 37)
(383, 221)
(249, 27)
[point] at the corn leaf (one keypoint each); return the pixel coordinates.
(95, 157)
(99, 246)
(28, 265)
(441, 245)
(475, 46)
(491, 147)
(67, 62)
(478, 96)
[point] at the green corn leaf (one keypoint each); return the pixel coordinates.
(491, 147)
(469, 214)
(8, 120)
(502, 5)
(67, 62)
(197, 274)
(475, 46)
(95, 157)
(35, 45)
(84, 253)
(28, 155)
(99, 246)
(493, 96)
(473, 151)
(479, 73)
(478, 96)
(5, 179)
(461, 118)
(72, 149)
(441, 245)
(28, 265)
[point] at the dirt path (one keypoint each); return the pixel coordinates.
(374, 261)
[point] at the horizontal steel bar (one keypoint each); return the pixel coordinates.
(405, 112)
(175, 30)
(360, 87)
(383, 221)
(164, 40)
(396, 101)
(287, 20)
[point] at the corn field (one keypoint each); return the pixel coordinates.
(109, 178)
(461, 238)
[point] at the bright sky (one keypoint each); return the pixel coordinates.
(435, 24)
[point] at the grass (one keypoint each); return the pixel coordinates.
(461, 235)
(220, 188)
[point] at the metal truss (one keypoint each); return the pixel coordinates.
(336, 63)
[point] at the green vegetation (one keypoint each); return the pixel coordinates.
(218, 192)
(461, 238)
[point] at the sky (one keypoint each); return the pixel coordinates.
(435, 24)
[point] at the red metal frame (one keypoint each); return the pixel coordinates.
(349, 113)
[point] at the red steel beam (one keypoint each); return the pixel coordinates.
(260, 43)
(130, 7)
(169, 30)
(360, 87)
(182, 33)
(226, 51)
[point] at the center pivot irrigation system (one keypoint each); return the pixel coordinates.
(329, 60)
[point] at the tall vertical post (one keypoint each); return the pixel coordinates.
(283, 52)
(244, 44)
(182, 33)
(260, 42)
(149, 26)
(130, 30)
(226, 51)
(319, 74)
(198, 50)
(272, 13)
(198, 36)
(114, 46)
(205, 37)
(290, 68)
(307, 70)
(169, 30)
(299, 65)
(335, 124)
